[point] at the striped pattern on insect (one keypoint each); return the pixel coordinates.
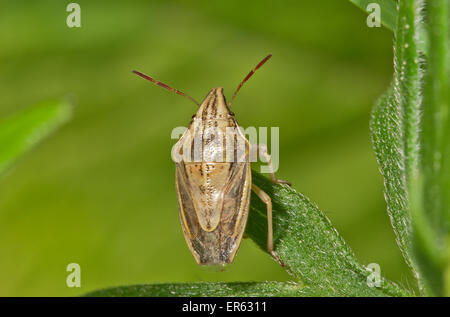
(214, 192)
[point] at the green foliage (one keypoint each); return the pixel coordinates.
(310, 247)
(313, 252)
(431, 209)
(273, 289)
(394, 129)
(21, 131)
(411, 153)
(104, 185)
(410, 136)
(410, 133)
(205, 289)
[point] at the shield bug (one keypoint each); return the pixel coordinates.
(213, 179)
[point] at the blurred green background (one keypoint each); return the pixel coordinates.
(100, 192)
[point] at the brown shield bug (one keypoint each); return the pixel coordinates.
(214, 182)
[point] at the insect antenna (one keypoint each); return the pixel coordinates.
(248, 77)
(165, 86)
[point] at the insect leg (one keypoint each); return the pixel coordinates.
(268, 201)
(262, 148)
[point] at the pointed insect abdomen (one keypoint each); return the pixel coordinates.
(214, 234)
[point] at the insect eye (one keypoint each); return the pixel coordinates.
(193, 116)
(232, 113)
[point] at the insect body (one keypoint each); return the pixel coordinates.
(213, 195)
(213, 180)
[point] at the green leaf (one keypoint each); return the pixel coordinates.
(21, 131)
(394, 129)
(388, 12)
(388, 143)
(432, 213)
(201, 289)
(408, 133)
(311, 249)
(211, 289)
(309, 246)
